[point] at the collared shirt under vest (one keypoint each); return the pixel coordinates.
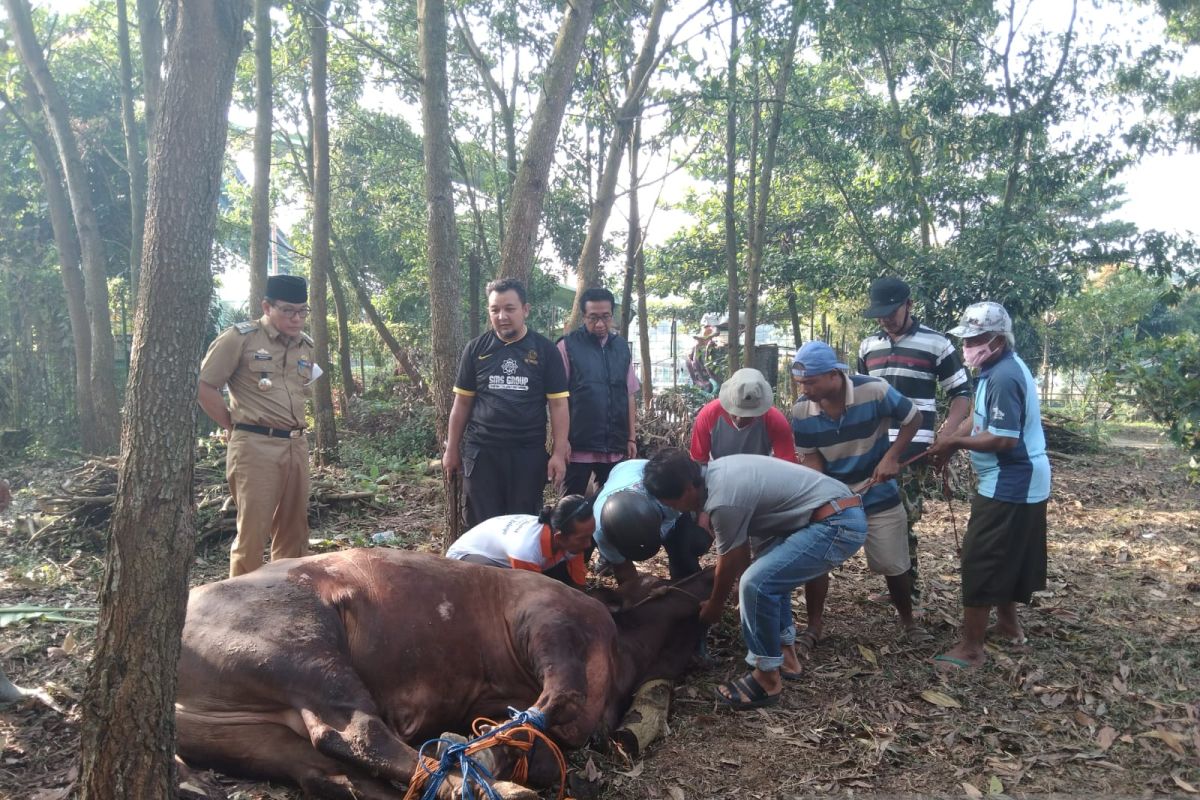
(599, 393)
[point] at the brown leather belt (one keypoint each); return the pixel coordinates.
(836, 506)
(278, 433)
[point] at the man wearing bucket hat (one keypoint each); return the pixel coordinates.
(742, 419)
(841, 427)
(268, 367)
(1004, 551)
(918, 362)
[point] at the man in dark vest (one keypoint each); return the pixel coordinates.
(603, 390)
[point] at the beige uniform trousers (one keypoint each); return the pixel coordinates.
(268, 479)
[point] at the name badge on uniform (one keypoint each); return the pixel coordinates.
(261, 355)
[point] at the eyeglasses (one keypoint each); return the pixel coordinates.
(292, 312)
(599, 317)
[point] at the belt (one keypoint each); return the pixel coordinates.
(835, 507)
(278, 433)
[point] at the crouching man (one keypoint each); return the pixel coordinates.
(777, 526)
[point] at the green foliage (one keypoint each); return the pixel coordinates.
(1164, 374)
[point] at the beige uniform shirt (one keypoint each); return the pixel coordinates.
(250, 351)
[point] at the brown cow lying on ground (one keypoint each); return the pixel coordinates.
(326, 671)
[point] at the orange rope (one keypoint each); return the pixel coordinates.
(509, 738)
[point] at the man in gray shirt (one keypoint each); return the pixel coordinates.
(777, 526)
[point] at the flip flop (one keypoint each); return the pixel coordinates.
(952, 661)
(745, 686)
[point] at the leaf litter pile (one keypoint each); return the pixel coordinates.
(1103, 699)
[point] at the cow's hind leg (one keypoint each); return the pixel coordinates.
(277, 753)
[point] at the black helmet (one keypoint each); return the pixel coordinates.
(631, 521)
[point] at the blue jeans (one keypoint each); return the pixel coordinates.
(766, 587)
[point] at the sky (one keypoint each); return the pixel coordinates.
(1159, 189)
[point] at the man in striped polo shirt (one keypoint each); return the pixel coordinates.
(915, 360)
(1004, 550)
(841, 426)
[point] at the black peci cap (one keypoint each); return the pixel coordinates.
(288, 288)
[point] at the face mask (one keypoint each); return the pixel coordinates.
(977, 355)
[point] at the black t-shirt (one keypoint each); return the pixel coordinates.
(511, 382)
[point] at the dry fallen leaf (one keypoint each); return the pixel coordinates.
(1105, 738)
(1172, 740)
(590, 772)
(1182, 784)
(868, 654)
(995, 786)
(1083, 719)
(68, 643)
(971, 791)
(636, 771)
(940, 699)
(676, 793)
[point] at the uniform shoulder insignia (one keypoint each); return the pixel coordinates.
(304, 337)
(246, 327)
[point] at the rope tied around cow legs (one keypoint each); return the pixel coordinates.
(522, 732)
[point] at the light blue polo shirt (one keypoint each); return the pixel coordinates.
(1006, 404)
(626, 476)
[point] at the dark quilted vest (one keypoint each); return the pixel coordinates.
(599, 396)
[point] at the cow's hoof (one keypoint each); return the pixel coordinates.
(514, 791)
(484, 758)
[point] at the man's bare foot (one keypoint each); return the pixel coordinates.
(1006, 634)
(958, 658)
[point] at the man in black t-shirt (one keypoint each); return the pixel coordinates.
(497, 436)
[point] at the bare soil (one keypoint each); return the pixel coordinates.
(1104, 700)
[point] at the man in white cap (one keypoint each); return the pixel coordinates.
(1004, 550)
(742, 419)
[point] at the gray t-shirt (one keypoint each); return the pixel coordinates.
(760, 497)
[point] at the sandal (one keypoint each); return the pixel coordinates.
(806, 642)
(917, 635)
(745, 686)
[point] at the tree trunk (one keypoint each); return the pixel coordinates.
(794, 315)
(326, 451)
(633, 244)
(345, 368)
(67, 244)
(731, 237)
(133, 152)
(644, 318)
(103, 386)
(759, 234)
(442, 236)
(150, 36)
(389, 340)
(260, 214)
(525, 211)
(128, 725)
(630, 110)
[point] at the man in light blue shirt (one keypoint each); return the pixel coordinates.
(685, 541)
(1004, 550)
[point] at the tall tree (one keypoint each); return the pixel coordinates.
(326, 425)
(92, 250)
(588, 269)
(150, 36)
(58, 204)
(133, 149)
(525, 212)
(128, 725)
(441, 237)
(345, 366)
(260, 214)
(731, 232)
(758, 229)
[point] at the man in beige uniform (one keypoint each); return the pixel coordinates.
(268, 366)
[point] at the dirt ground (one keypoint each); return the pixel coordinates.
(1104, 700)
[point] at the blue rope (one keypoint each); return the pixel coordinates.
(474, 775)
